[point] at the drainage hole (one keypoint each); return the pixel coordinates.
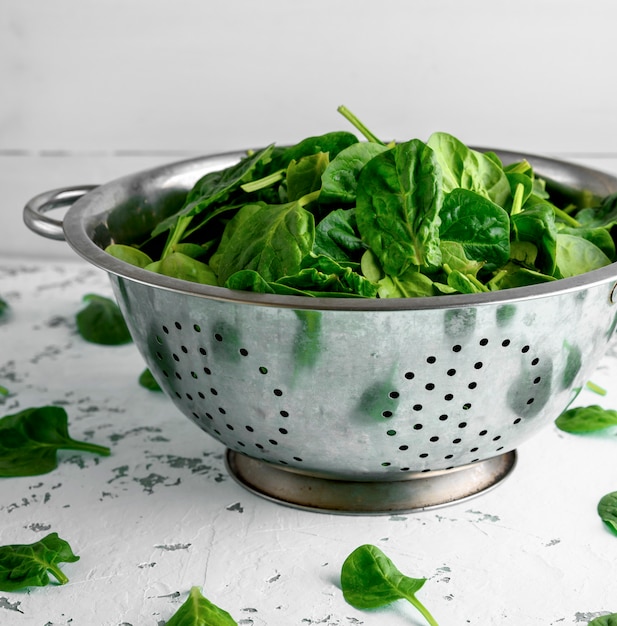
(405, 447)
(178, 376)
(463, 425)
(209, 416)
(482, 433)
(218, 336)
(525, 349)
(197, 328)
(497, 438)
(537, 380)
(184, 349)
(478, 365)
(297, 458)
(263, 370)
(473, 450)
(429, 386)
(274, 442)
(448, 397)
(201, 395)
(241, 444)
(284, 414)
(178, 325)
(418, 427)
(277, 392)
(530, 401)
(189, 397)
(448, 456)
(386, 464)
(391, 433)
(466, 406)
(213, 391)
(409, 375)
(283, 431)
(158, 340)
(451, 372)
(472, 385)
(202, 351)
(505, 343)
(386, 414)
(222, 411)
(207, 370)
(159, 356)
(518, 420)
(443, 418)
(417, 407)
(484, 341)
(424, 455)
(194, 374)
(250, 429)
(229, 426)
(535, 361)
(456, 348)
(434, 439)
(431, 359)
(165, 330)
(244, 351)
(394, 394)
(457, 440)
(404, 469)
(176, 357)
(258, 445)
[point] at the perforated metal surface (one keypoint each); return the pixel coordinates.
(373, 394)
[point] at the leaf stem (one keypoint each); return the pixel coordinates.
(263, 183)
(349, 116)
(60, 576)
(85, 446)
(568, 219)
(425, 612)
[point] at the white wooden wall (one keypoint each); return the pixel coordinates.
(90, 90)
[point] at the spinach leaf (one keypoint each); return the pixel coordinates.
(198, 611)
(30, 439)
(329, 143)
(536, 225)
(148, 381)
(29, 565)
(272, 240)
(370, 580)
(179, 265)
(340, 179)
(587, 419)
(212, 187)
(604, 620)
(469, 169)
(479, 225)
(129, 254)
(576, 255)
(599, 237)
(101, 322)
(336, 235)
(304, 176)
(4, 391)
(399, 197)
(607, 510)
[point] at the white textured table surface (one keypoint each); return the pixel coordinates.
(161, 514)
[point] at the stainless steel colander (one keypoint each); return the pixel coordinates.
(355, 406)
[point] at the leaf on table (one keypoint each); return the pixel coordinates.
(199, 611)
(101, 322)
(586, 419)
(30, 439)
(607, 510)
(29, 565)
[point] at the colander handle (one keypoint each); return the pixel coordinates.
(35, 210)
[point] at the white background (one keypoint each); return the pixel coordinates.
(93, 90)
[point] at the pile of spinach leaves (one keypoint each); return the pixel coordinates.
(336, 216)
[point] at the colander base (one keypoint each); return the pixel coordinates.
(417, 492)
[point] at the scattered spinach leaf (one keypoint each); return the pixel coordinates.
(199, 611)
(30, 439)
(148, 381)
(101, 322)
(607, 510)
(587, 419)
(3, 306)
(4, 391)
(29, 565)
(370, 580)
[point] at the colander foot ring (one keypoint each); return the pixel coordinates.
(417, 492)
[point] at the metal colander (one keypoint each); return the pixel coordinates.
(356, 406)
